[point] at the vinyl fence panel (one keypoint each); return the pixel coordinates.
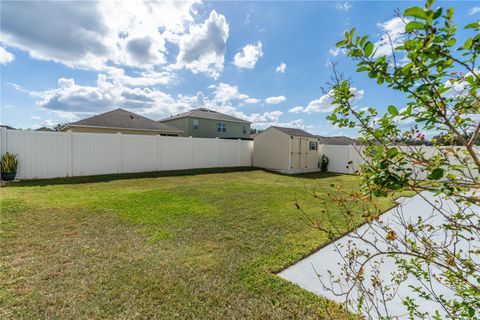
(41, 154)
(348, 158)
(62, 154)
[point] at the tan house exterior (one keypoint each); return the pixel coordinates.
(206, 123)
(286, 150)
(122, 121)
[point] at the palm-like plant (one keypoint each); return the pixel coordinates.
(9, 163)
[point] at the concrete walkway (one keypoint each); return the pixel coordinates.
(308, 272)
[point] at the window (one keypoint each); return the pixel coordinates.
(195, 124)
(244, 129)
(313, 145)
(221, 127)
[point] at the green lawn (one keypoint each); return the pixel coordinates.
(194, 245)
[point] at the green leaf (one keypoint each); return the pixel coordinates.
(368, 48)
(473, 25)
(392, 110)
(436, 174)
(416, 12)
(468, 44)
(414, 25)
(392, 152)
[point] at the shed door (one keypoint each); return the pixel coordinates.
(299, 153)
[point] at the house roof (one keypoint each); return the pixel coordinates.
(123, 119)
(44, 129)
(294, 132)
(7, 127)
(205, 113)
(336, 140)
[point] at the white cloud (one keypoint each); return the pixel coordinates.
(297, 123)
(95, 34)
(336, 51)
(324, 103)
(265, 117)
(71, 101)
(5, 56)
(473, 11)
(296, 109)
(281, 68)
(249, 56)
(251, 101)
(275, 100)
(202, 50)
(393, 35)
(145, 78)
(35, 117)
(344, 6)
(225, 92)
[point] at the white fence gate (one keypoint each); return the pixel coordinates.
(62, 154)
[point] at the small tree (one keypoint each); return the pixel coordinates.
(441, 80)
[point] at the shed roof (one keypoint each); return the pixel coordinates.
(294, 132)
(123, 119)
(205, 114)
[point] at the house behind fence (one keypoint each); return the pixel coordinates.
(44, 154)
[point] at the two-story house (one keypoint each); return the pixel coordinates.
(206, 123)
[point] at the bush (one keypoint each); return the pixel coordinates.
(324, 163)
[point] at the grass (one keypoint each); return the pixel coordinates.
(182, 245)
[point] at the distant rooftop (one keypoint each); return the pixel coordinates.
(336, 140)
(205, 113)
(7, 127)
(295, 132)
(123, 119)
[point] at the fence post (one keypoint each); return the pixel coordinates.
(238, 152)
(3, 141)
(70, 157)
(119, 153)
(190, 139)
(217, 146)
(157, 163)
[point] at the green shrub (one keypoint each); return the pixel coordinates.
(324, 163)
(9, 163)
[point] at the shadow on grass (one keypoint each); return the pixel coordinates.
(308, 175)
(124, 176)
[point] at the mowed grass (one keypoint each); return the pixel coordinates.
(193, 245)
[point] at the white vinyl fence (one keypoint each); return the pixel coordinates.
(346, 159)
(62, 154)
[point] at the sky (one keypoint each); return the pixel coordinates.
(266, 62)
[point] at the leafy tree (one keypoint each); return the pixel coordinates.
(441, 81)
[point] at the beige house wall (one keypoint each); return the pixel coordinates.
(181, 124)
(112, 130)
(208, 128)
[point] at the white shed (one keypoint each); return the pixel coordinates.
(286, 150)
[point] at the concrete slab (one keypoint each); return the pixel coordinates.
(308, 272)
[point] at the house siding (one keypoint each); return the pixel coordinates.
(208, 128)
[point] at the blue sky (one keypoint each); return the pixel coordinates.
(263, 61)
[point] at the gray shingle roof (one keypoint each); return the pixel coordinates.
(205, 114)
(295, 132)
(123, 119)
(337, 140)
